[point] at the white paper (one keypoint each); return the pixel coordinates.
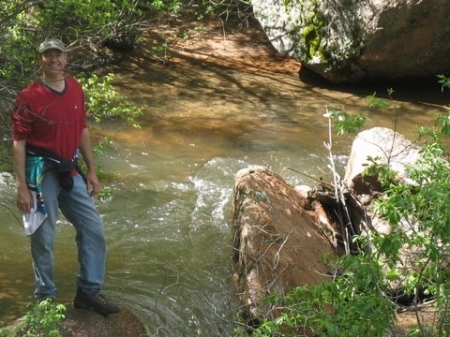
(35, 218)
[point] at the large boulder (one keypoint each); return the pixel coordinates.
(383, 146)
(280, 236)
(348, 41)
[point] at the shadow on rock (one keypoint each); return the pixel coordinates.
(88, 323)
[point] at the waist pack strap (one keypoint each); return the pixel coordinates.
(39, 152)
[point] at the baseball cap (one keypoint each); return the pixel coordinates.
(52, 43)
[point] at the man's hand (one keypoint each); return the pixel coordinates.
(93, 184)
(24, 200)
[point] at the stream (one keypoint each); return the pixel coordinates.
(168, 219)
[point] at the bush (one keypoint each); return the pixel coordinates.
(106, 104)
(42, 320)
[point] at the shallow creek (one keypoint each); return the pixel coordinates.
(168, 219)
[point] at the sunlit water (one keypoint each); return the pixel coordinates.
(168, 219)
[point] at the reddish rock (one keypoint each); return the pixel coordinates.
(279, 238)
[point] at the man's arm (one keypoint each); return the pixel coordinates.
(24, 200)
(93, 184)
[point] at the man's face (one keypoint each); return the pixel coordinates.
(53, 61)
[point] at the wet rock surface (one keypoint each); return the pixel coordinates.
(88, 323)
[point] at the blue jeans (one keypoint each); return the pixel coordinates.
(79, 209)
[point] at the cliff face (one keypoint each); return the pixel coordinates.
(351, 40)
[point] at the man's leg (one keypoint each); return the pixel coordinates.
(42, 241)
(78, 207)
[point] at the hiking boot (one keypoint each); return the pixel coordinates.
(96, 302)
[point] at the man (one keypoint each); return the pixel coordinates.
(49, 128)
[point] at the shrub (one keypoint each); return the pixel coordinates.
(42, 320)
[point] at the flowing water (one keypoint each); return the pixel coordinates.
(168, 218)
